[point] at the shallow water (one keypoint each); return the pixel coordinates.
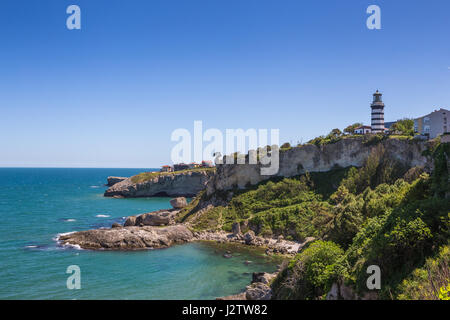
(37, 204)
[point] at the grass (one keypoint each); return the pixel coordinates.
(146, 176)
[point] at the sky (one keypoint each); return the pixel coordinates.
(112, 93)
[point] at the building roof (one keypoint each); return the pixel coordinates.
(440, 110)
(363, 127)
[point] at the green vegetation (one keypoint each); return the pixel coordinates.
(404, 127)
(381, 214)
(430, 282)
(311, 273)
(351, 128)
(146, 176)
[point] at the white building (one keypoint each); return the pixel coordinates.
(433, 124)
(363, 130)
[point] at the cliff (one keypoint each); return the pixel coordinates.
(113, 180)
(183, 183)
(312, 158)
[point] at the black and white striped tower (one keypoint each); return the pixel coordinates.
(377, 113)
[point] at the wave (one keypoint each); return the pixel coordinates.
(103, 216)
(66, 245)
(56, 238)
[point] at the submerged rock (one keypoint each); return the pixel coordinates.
(128, 238)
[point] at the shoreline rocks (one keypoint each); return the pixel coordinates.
(128, 238)
(272, 246)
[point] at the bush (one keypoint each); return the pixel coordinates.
(311, 273)
(430, 282)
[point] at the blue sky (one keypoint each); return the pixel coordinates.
(110, 94)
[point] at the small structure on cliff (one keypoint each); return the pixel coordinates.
(377, 107)
(166, 169)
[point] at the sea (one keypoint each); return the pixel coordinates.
(38, 204)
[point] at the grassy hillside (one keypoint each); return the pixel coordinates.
(381, 214)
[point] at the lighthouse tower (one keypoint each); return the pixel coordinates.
(377, 113)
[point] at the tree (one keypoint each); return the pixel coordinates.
(351, 128)
(335, 133)
(404, 127)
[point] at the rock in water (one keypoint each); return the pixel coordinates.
(128, 238)
(116, 225)
(178, 203)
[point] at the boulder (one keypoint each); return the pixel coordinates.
(116, 225)
(333, 294)
(258, 291)
(178, 203)
(236, 228)
(249, 237)
(263, 277)
(130, 221)
(156, 219)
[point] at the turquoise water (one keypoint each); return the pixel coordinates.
(37, 204)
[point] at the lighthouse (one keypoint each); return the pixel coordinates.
(377, 113)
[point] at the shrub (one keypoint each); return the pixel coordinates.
(311, 273)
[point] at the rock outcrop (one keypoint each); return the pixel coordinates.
(311, 158)
(343, 292)
(183, 184)
(113, 180)
(156, 218)
(128, 238)
(178, 203)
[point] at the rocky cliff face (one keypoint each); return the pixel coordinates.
(113, 180)
(311, 158)
(185, 184)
